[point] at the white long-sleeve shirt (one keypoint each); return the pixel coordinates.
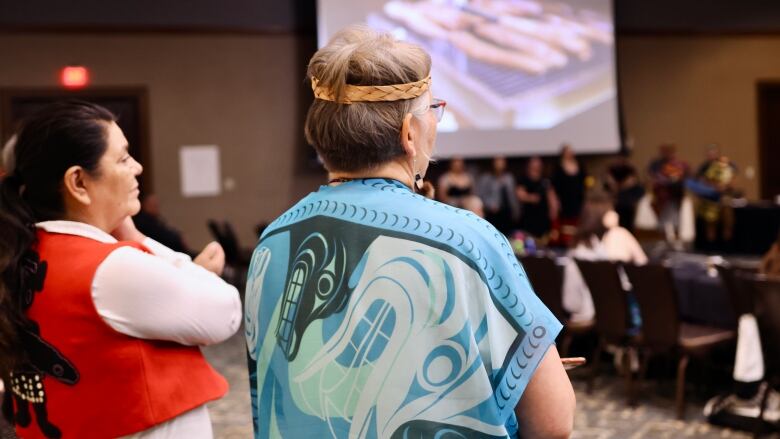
(160, 296)
(617, 244)
(576, 295)
(620, 245)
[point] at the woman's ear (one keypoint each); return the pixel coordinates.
(75, 185)
(408, 136)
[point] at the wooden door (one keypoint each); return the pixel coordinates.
(769, 138)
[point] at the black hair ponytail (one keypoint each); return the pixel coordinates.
(62, 135)
(16, 237)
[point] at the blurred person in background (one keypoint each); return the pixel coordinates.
(712, 156)
(568, 180)
(474, 204)
(622, 181)
(714, 187)
(667, 175)
(496, 189)
(539, 204)
(455, 184)
(599, 237)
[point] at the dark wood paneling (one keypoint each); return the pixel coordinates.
(768, 94)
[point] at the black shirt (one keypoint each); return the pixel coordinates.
(570, 189)
(535, 217)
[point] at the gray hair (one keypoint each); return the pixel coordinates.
(363, 135)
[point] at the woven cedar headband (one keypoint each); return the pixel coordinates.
(373, 93)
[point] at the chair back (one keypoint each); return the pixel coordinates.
(740, 294)
(230, 244)
(767, 311)
(653, 286)
(609, 299)
(225, 235)
(215, 230)
(547, 280)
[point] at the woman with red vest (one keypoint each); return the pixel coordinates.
(100, 326)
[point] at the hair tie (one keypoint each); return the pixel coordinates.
(372, 93)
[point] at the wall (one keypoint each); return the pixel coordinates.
(238, 92)
(695, 91)
(244, 93)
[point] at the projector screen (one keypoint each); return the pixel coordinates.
(520, 77)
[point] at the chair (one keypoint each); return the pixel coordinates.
(767, 312)
(739, 293)
(611, 306)
(662, 331)
(236, 260)
(233, 254)
(224, 233)
(547, 279)
(215, 228)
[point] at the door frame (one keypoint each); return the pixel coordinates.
(139, 93)
(763, 123)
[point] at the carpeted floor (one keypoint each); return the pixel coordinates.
(601, 415)
(231, 415)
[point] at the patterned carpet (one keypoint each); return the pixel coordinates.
(231, 415)
(604, 414)
(601, 415)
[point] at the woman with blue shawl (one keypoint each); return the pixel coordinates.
(374, 312)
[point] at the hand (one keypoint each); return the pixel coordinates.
(212, 258)
(126, 231)
(572, 362)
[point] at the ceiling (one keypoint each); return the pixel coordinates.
(266, 16)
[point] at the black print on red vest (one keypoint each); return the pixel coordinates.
(27, 384)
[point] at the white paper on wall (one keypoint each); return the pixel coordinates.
(199, 170)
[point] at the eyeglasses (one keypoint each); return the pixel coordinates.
(438, 108)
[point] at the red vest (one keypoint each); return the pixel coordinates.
(125, 384)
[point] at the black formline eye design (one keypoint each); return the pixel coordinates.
(314, 290)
